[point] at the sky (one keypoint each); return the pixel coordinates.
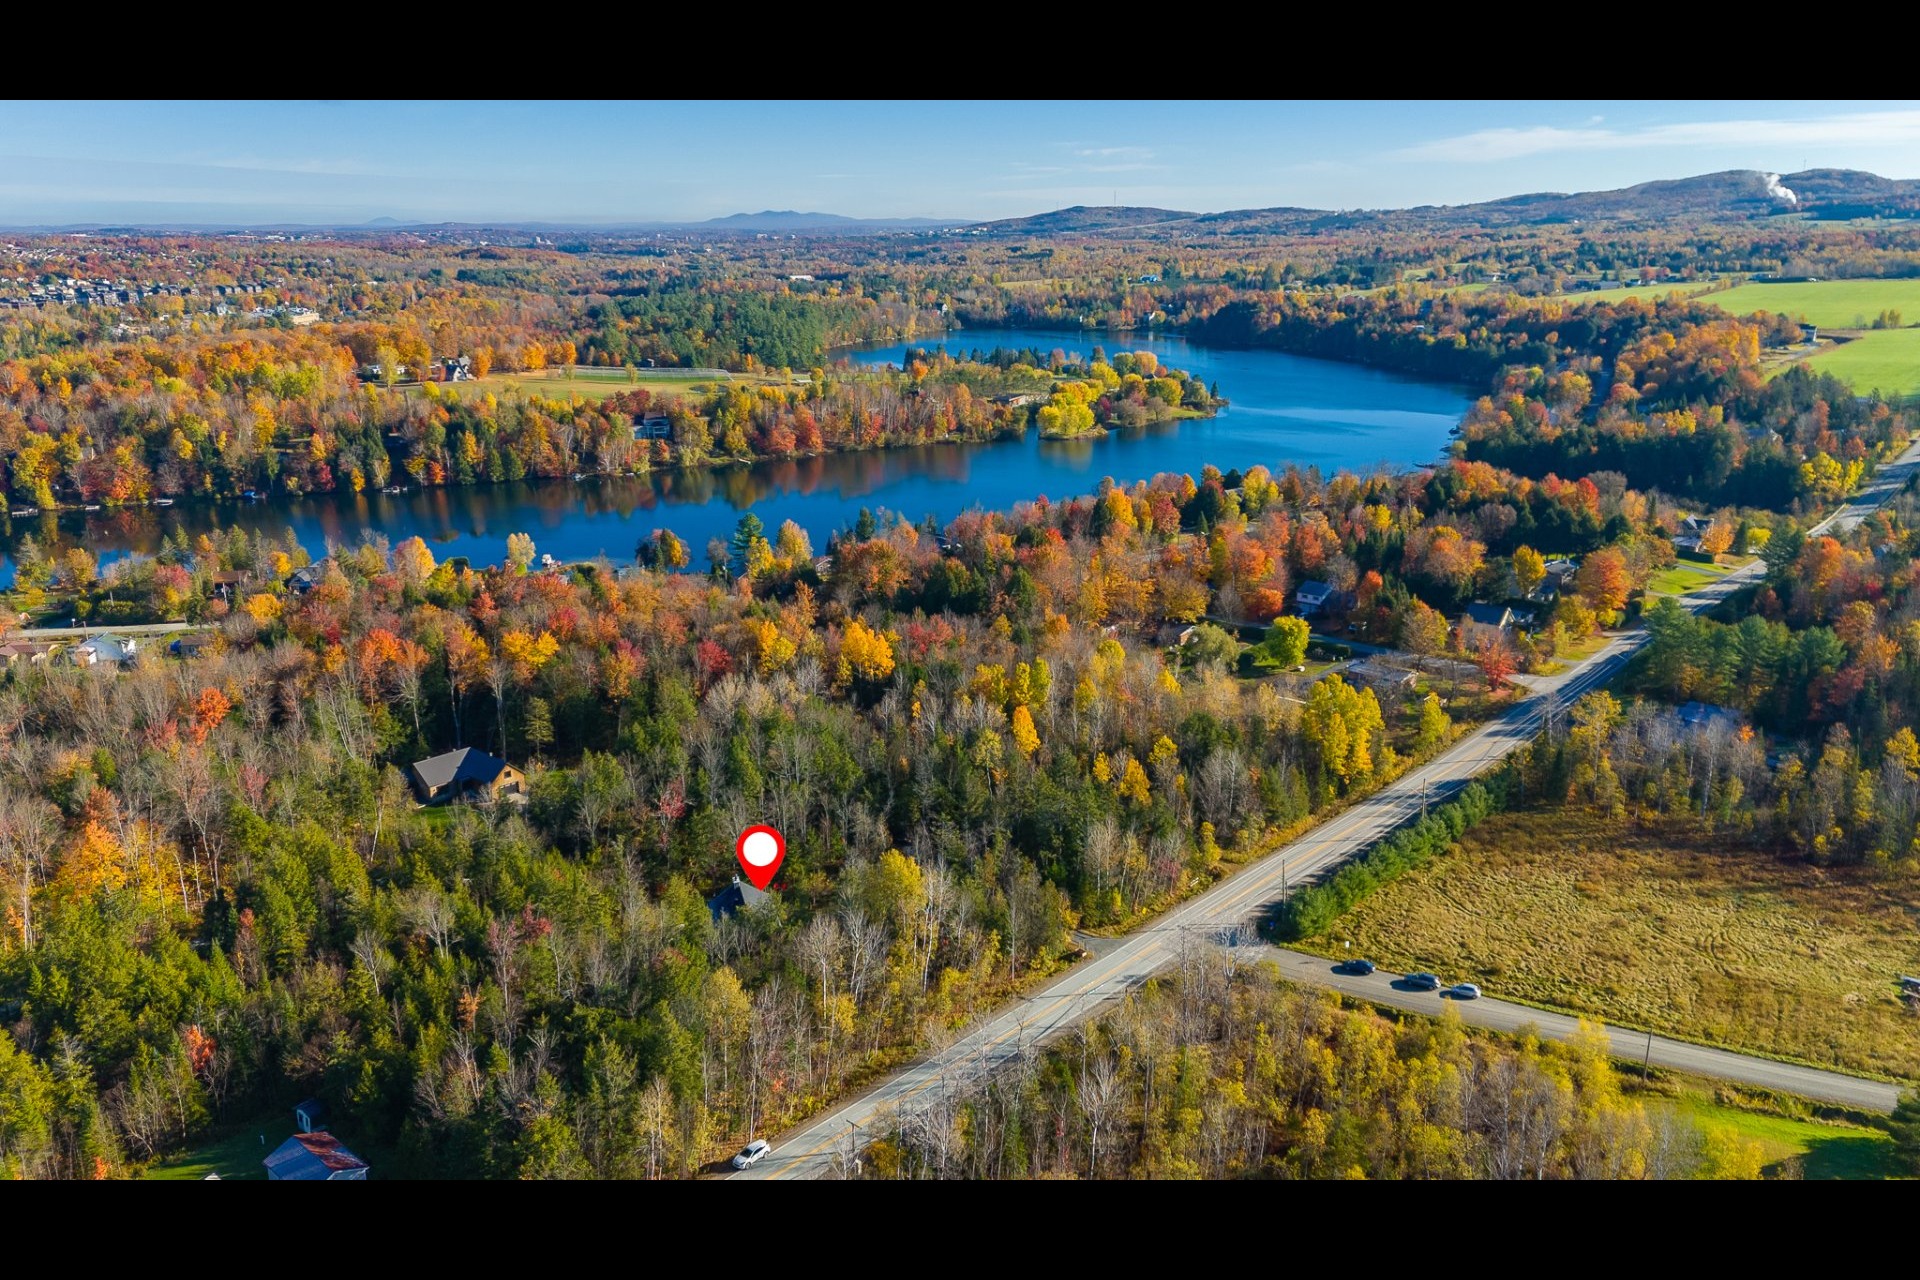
(342, 163)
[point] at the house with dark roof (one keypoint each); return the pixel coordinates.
(308, 577)
(194, 644)
(1485, 623)
(314, 1157)
(653, 426)
(466, 774)
(1310, 597)
(735, 896)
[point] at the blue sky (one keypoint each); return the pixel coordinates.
(346, 162)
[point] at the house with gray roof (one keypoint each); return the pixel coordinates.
(466, 774)
(113, 651)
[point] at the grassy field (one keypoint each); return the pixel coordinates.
(1836, 304)
(1682, 287)
(237, 1155)
(595, 384)
(1685, 576)
(1684, 933)
(1822, 1150)
(1883, 360)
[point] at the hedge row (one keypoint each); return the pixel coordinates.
(1311, 910)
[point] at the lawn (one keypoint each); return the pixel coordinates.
(237, 1155)
(1684, 932)
(1685, 576)
(1835, 304)
(1824, 1150)
(1883, 360)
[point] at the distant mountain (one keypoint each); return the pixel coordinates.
(1085, 218)
(1735, 195)
(786, 221)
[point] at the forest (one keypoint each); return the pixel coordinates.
(221, 895)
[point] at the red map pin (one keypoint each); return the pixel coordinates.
(761, 850)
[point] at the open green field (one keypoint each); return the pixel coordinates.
(1681, 931)
(1685, 576)
(1837, 304)
(1883, 360)
(590, 383)
(1682, 287)
(1823, 1150)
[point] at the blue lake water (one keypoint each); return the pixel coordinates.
(1283, 409)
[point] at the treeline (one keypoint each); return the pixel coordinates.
(734, 327)
(1220, 1070)
(1667, 394)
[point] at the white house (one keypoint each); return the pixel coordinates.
(116, 651)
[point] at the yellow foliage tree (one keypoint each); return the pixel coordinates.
(865, 652)
(528, 653)
(1025, 736)
(263, 608)
(94, 862)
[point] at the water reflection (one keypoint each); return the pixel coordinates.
(1283, 409)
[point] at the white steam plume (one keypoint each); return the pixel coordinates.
(1779, 192)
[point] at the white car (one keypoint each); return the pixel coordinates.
(1464, 991)
(751, 1153)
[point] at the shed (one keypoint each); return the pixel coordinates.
(314, 1157)
(311, 1116)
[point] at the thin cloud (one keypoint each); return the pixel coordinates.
(1864, 128)
(1114, 153)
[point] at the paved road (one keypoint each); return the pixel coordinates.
(1385, 988)
(1087, 988)
(129, 629)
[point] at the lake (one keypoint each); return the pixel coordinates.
(1284, 409)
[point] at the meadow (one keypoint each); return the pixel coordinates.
(1683, 931)
(1642, 291)
(1833, 304)
(1883, 360)
(591, 383)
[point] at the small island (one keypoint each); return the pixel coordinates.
(1131, 391)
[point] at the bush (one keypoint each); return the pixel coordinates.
(1313, 909)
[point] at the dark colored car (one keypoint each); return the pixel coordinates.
(1423, 981)
(1358, 968)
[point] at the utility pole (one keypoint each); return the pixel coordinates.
(1646, 1066)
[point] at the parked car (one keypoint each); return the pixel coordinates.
(1358, 968)
(1464, 991)
(751, 1153)
(1423, 981)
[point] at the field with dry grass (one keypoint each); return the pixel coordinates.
(1676, 930)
